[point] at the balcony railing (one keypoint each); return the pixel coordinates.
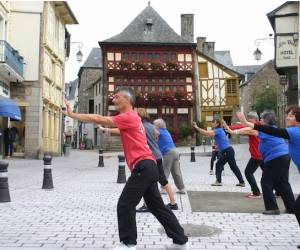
(169, 98)
(150, 66)
(11, 57)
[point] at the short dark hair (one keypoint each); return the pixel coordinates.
(128, 92)
(218, 122)
(269, 117)
(295, 110)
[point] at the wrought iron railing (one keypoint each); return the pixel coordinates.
(11, 57)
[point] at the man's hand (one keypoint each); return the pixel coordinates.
(101, 128)
(241, 117)
(195, 125)
(68, 110)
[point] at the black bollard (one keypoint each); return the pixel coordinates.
(100, 163)
(47, 181)
(193, 159)
(4, 190)
(121, 171)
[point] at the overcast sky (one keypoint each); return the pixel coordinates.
(233, 25)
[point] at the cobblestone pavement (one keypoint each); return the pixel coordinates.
(80, 212)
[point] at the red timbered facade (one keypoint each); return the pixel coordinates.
(161, 72)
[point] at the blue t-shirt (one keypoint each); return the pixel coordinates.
(294, 144)
(165, 141)
(221, 139)
(271, 147)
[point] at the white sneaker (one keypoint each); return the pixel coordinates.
(178, 247)
(122, 246)
(181, 191)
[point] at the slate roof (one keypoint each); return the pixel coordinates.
(247, 69)
(73, 85)
(224, 57)
(137, 32)
(94, 59)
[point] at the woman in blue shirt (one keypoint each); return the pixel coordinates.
(276, 168)
(170, 155)
(291, 133)
(227, 152)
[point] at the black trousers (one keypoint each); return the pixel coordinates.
(215, 154)
(276, 175)
(297, 209)
(161, 174)
(251, 167)
(143, 183)
(227, 156)
(8, 148)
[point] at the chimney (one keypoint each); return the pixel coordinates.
(209, 49)
(200, 43)
(187, 27)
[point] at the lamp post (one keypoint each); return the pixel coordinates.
(79, 54)
(257, 53)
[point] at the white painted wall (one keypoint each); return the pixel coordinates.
(26, 14)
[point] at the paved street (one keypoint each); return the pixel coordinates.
(80, 212)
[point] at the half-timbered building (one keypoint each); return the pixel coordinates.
(157, 63)
(218, 83)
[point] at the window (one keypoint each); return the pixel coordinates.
(157, 56)
(188, 57)
(133, 56)
(173, 57)
(149, 56)
(231, 87)
(203, 70)
(166, 57)
(110, 56)
(125, 56)
(180, 57)
(91, 106)
(141, 56)
(118, 56)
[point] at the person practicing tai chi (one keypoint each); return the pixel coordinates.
(291, 133)
(171, 163)
(256, 158)
(215, 154)
(276, 167)
(144, 173)
(227, 152)
(151, 134)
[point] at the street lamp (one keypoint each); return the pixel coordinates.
(79, 54)
(257, 53)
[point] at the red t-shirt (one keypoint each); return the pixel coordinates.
(253, 143)
(133, 137)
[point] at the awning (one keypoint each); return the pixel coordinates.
(8, 108)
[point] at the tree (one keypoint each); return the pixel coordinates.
(266, 100)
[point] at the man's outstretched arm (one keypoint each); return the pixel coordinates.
(88, 118)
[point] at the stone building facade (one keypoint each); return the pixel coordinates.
(258, 79)
(90, 98)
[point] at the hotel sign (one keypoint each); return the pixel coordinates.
(286, 52)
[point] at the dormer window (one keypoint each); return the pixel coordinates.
(149, 24)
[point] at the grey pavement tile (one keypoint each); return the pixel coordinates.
(80, 212)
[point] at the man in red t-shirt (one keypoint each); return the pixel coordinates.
(256, 158)
(144, 173)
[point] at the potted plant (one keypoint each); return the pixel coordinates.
(156, 65)
(171, 65)
(140, 65)
(124, 64)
